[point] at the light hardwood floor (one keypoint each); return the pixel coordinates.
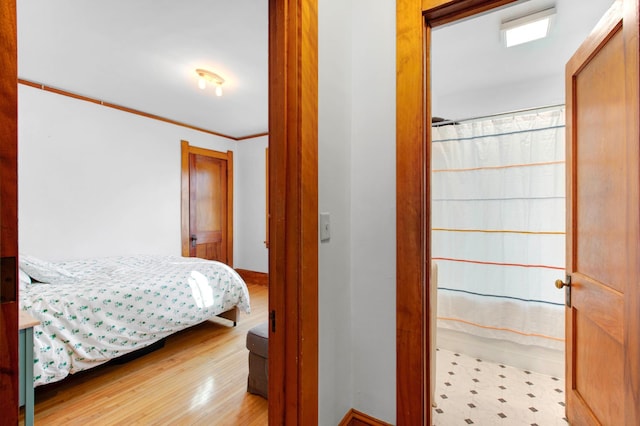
(198, 378)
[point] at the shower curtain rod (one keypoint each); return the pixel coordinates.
(518, 111)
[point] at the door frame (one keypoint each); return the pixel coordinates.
(8, 212)
(185, 188)
(293, 260)
(414, 20)
(293, 212)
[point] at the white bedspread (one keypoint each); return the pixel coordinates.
(112, 306)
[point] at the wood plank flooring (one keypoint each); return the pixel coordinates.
(198, 378)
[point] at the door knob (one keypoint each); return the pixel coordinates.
(567, 285)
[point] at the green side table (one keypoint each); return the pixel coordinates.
(25, 368)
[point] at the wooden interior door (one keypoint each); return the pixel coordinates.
(8, 215)
(603, 309)
(208, 207)
(207, 204)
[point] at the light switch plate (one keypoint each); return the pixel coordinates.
(325, 227)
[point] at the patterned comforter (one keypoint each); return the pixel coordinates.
(95, 310)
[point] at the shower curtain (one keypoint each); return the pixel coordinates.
(498, 226)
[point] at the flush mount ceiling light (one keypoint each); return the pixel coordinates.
(528, 28)
(207, 76)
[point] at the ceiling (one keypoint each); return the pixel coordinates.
(142, 54)
(470, 54)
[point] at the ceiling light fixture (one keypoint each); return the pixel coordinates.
(528, 28)
(207, 76)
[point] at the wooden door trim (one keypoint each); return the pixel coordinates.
(185, 150)
(414, 20)
(412, 352)
(230, 208)
(266, 214)
(441, 12)
(9, 212)
(293, 206)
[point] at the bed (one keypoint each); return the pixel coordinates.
(92, 311)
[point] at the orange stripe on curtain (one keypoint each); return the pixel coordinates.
(522, 265)
(500, 231)
(508, 166)
(501, 329)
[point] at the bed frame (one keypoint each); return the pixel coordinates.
(231, 315)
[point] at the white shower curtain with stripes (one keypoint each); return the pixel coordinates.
(498, 226)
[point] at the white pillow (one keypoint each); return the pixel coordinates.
(24, 278)
(43, 271)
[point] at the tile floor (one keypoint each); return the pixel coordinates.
(472, 391)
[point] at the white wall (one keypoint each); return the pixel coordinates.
(485, 101)
(373, 198)
(95, 181)
(334, 183)
(250, 224)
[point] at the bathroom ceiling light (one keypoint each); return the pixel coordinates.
(206, 76)
(528, 28)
